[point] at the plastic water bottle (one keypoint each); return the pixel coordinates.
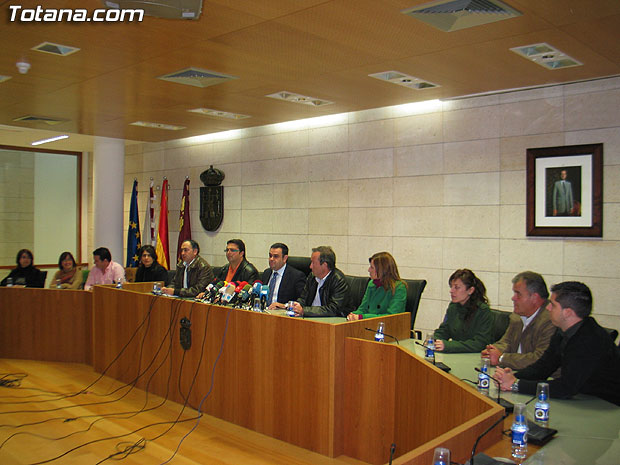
(379, 337)
(119, 284)
(519, 433)
(9, 282)
(483, 376)
(58, 285)
(289, 308)
(156, 289)
(429, 344)
(541, 409)
(442, 456)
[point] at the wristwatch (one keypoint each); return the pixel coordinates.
(515, 386)
(501, 357)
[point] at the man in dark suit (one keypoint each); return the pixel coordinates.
(285, 282)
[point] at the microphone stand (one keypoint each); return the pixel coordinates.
(487, 460)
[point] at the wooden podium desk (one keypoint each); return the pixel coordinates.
(46, 324)
(588, 427)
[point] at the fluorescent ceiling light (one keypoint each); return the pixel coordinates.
(51, 139)
(148, 124)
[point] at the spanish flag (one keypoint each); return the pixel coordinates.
(162, 249)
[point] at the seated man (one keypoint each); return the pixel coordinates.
(285, 282)
(326, 292)
(192, 275)
(105, 270)
(238, 268)
(530, 328)
(589, 360)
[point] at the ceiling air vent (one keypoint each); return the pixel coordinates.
(545, 55)
(218, 113)
(405, 80)
(40, 119)
(197, 77)
(452, 15)
(168, 9)
(148, 124)
(55, 49)
(298, 98)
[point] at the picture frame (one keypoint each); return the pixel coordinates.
(565, 191)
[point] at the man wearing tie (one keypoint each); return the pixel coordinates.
(562, 196)
(285, 282)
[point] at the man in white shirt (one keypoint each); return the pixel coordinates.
(530, 329)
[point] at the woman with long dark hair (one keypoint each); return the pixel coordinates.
(149, 269)
(25, 274)
(468, 324)
(386, 293)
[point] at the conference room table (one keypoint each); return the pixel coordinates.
(588, 427)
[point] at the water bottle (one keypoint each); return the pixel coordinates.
(119, 284)
(379, 337)
(442, 456)
(541, 409)
(156, 289)
(429, 344)
(58, 285)
(257, 305)
(289, 308)
(519, 433)
(9, 282)
(483, 376)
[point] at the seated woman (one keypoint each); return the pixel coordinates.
(149, 269)
(386, 293)
(69, 275)
(468, 324)
(25, 274)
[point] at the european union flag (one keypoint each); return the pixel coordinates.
(133, 232)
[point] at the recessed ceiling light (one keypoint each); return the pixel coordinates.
(298, 98)
(403, 79)
(50, 139)
(545, 55)
(41, 119)
(55, 49)
(218, 113)
(147, 124)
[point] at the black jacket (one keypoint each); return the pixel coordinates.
(590, 364)
(291, 284)
(245, 272)
(155, 272)
(29, 276)
(335, 296)
(199, 275)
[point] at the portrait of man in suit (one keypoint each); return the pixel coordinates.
(563, 191)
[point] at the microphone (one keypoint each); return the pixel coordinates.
(235, 295)
(213, 292)
(509, 406)
(244, 295)
(385, 334)
(264, 293)
(227, 290)
(486, 459)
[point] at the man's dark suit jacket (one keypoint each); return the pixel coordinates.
(245, 272)
(291, 284)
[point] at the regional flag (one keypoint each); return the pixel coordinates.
(148, 235)
(185, 230)
(133, 231)
(162, 249)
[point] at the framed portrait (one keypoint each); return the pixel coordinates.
(565, 191)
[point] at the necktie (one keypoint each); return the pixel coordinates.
(272, 286)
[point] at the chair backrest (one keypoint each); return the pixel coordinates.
(415, 287)
(357, 285)
(301, 263)
(130, 274)
(613, 333)
(43, 277)
(85, 272)
(501, 320)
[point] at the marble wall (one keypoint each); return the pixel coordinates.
(439, 185)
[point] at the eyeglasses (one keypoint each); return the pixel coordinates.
(231, 250)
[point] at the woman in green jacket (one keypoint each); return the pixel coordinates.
(468, 324)
(386, 293)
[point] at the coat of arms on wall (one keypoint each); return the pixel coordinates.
(212, 199)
